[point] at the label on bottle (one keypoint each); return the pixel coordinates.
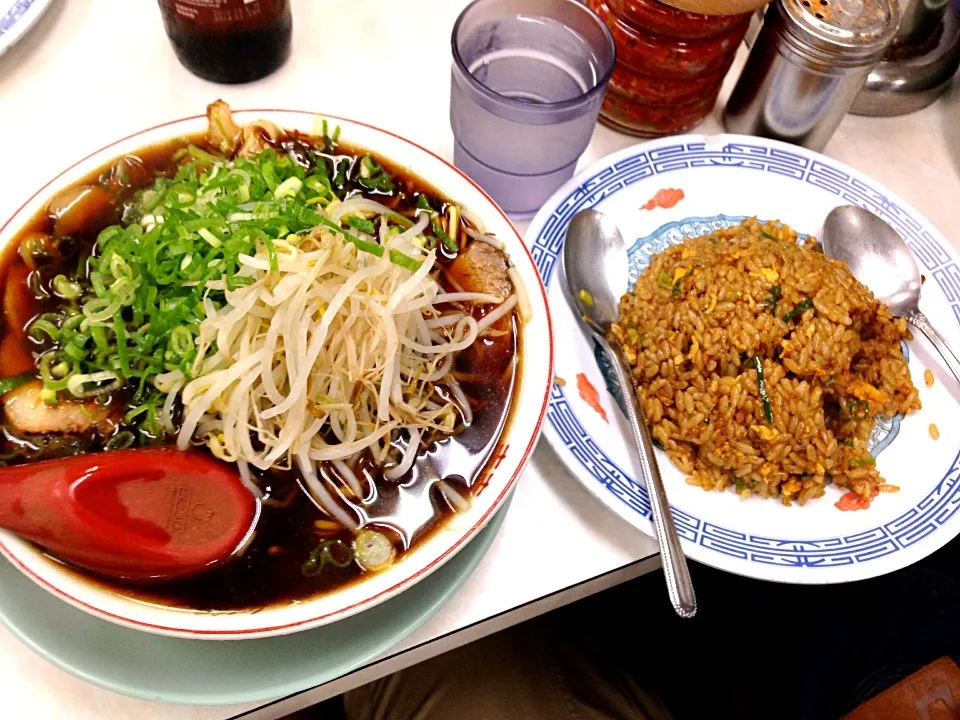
(225, 14)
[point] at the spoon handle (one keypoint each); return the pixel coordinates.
(920, 321)
(679, 584)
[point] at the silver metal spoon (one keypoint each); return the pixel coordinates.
(880, 259)
(595, 266)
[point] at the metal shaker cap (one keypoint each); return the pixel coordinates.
(840, 32)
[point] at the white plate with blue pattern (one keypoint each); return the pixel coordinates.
(17, 17)
(723, 179)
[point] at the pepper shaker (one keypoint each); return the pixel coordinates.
(920, 64)
(806, 67)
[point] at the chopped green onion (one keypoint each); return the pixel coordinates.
(209, 237)
(368, 168)
(801, 308)
(43, 325)
(768, 236)
(33, 282)
(271, 253)
(60, 370)
(67, 289)
(381, 183)
(858, 409)
(288, 188)
(329, 552)
(396, 257)
(75, 351)
(45, 365)
(398, 218)
(98, 383)
(449, 242)
(664, 281)
(586, 298)
(866, 460)
(373, 550)
(362, 225)
(200, 154)
(365, 245)
(340, 177)
(99, 337)
(269, 176)
(120, 441)
(775, 294)
(404, 261)
(762, 386)
(152, 198)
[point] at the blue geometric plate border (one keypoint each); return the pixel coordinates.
(17, 20)
(606, 178)
(13, 14)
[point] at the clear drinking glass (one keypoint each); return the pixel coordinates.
(527, 82)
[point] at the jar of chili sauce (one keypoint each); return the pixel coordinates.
(670, 64)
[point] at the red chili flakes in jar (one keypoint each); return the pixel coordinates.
(664, 20)
(670, 64)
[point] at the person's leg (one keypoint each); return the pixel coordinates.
(514, 674)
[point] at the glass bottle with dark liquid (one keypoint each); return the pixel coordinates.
(229, 41)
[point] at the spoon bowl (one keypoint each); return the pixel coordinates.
(880, 259)
(596, 271)
(876, 255)
(595, 266)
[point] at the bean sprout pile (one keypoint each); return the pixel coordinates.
(337, 352)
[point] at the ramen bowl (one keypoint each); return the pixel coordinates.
(532, 381)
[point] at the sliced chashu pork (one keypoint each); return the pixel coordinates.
(26, 412)
(483, 269)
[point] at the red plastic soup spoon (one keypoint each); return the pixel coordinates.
(145, 515)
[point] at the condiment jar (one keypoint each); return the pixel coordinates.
(229, 41)
(806, 67)
(670, 64)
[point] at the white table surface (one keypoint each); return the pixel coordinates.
(95, 70)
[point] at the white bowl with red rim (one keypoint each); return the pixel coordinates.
(534, 378)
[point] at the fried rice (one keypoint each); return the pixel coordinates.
(761, 364)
